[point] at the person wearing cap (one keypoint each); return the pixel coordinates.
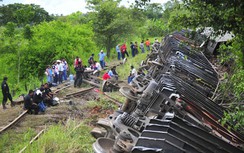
(101, 58)
(60, 71)
(6, 94)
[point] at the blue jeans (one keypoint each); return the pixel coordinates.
(102, 63)
(142, 50)
(50, 79)
(130, 78)
(65, 75)
(133, 52)
(118, 55)
(148, 48)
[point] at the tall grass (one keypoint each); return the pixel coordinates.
(74, 137)
(125, 69)
(11, 142)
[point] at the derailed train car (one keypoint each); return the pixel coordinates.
(169, 109)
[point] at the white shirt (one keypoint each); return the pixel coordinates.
(56, 68)
(134, 72)
(98, 66)
(61, 67)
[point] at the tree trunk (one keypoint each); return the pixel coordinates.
(108, 46)
(108, 51)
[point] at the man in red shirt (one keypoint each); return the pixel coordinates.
(124, 51)
(106, 76)
(147, 43)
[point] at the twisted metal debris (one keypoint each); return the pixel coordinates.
(169, 109)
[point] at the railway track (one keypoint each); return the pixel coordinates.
(23, 114)
(20, 120)
(14, 121)
(67, 96)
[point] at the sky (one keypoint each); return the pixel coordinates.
(65, 7)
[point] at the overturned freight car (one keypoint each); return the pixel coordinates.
(169, 109)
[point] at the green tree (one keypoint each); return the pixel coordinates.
(23, 14)
(153, 11)
(55, 40)
(111, 22)
(12, 45)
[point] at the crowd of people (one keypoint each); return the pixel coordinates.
(37, 100)
(57, 73)
(122, 49)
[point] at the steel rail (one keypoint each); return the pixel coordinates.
(14, 121)
(32, 140)
(78, 92)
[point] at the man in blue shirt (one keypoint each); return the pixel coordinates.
(118, 51)
(110, 73)
(101, 59)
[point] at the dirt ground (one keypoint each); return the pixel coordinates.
(68, 108)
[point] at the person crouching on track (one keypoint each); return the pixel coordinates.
(29, 104)
(38, 99)
(78, 78)
(47, 95)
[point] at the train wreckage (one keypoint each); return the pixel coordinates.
(169, 109)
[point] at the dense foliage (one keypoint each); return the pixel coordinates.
(22, 14)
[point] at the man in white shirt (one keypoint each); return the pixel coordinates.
(133, 73)
(98, 68)
(60, 71)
